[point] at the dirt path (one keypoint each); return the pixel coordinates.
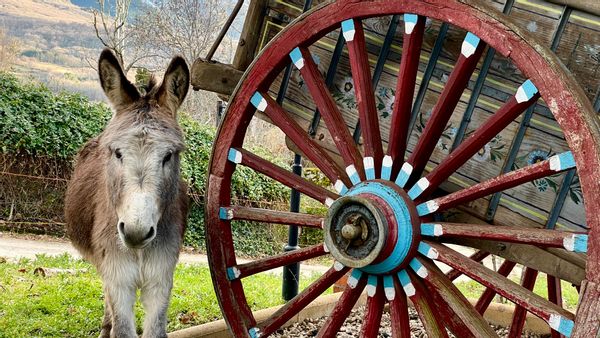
(15, 247)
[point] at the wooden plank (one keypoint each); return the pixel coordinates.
(250, 36)
(530, 256)
(584, 5)
(214, 77)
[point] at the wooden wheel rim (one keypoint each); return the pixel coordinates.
(564, 98)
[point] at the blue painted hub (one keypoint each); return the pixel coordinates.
(402, 221)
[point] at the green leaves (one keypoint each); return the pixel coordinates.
(248, 187)
(36, 121)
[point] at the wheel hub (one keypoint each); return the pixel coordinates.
(356, 231)
(373, 227)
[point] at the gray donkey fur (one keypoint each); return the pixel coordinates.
(126, 206)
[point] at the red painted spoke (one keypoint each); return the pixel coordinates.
(484, 134)
(477, 257)
(488, 295)
(329, 110)
(535, 304)
(443, 109)
(286, 177)
(459, 314)
(399, 313)
(271, 216)
(555, 296)
(405, 89)
(291, 308)
(374, 311)
(286, 258)
(421, 300)
(342, 309)
(363, 88)
(538, 237)
(518, 320)
(551, 166)
(307, 145)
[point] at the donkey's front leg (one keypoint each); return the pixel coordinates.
(120, 276)
(158, 268)
(107, 320)
(122, 300)
(155, 297)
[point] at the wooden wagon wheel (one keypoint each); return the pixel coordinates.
(383, 200)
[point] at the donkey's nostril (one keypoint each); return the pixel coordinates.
(122, 227)
(150, 233)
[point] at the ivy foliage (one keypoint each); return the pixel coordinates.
(248, 187)
(36, 121)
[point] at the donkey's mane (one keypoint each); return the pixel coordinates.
(150, 86)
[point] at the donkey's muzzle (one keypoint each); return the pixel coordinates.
(135, 239)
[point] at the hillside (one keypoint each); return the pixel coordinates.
(55, 38)
(57, 11)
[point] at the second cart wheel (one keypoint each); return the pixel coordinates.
(379, 227)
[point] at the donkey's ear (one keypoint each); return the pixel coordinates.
(174, 86)
(120, 92)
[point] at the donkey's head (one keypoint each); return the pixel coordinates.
(142, 143)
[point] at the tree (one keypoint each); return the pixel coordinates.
(112, 28)
(187, 28)
(9, 50)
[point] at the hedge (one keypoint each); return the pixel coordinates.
(41, 124)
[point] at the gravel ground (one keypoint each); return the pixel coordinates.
(351, 328)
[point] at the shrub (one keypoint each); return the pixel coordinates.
(36, 121)
(248, 188)
(38, 125)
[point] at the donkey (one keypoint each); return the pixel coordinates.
(126, 206)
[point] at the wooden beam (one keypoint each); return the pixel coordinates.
(215, 77)
(592, 7)
(246, 48)
(530, 256)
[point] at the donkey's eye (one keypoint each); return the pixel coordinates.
(167, 158)
(118, 154)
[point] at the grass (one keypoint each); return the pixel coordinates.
(70, 304)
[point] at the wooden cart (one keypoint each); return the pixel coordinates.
(436, 121)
